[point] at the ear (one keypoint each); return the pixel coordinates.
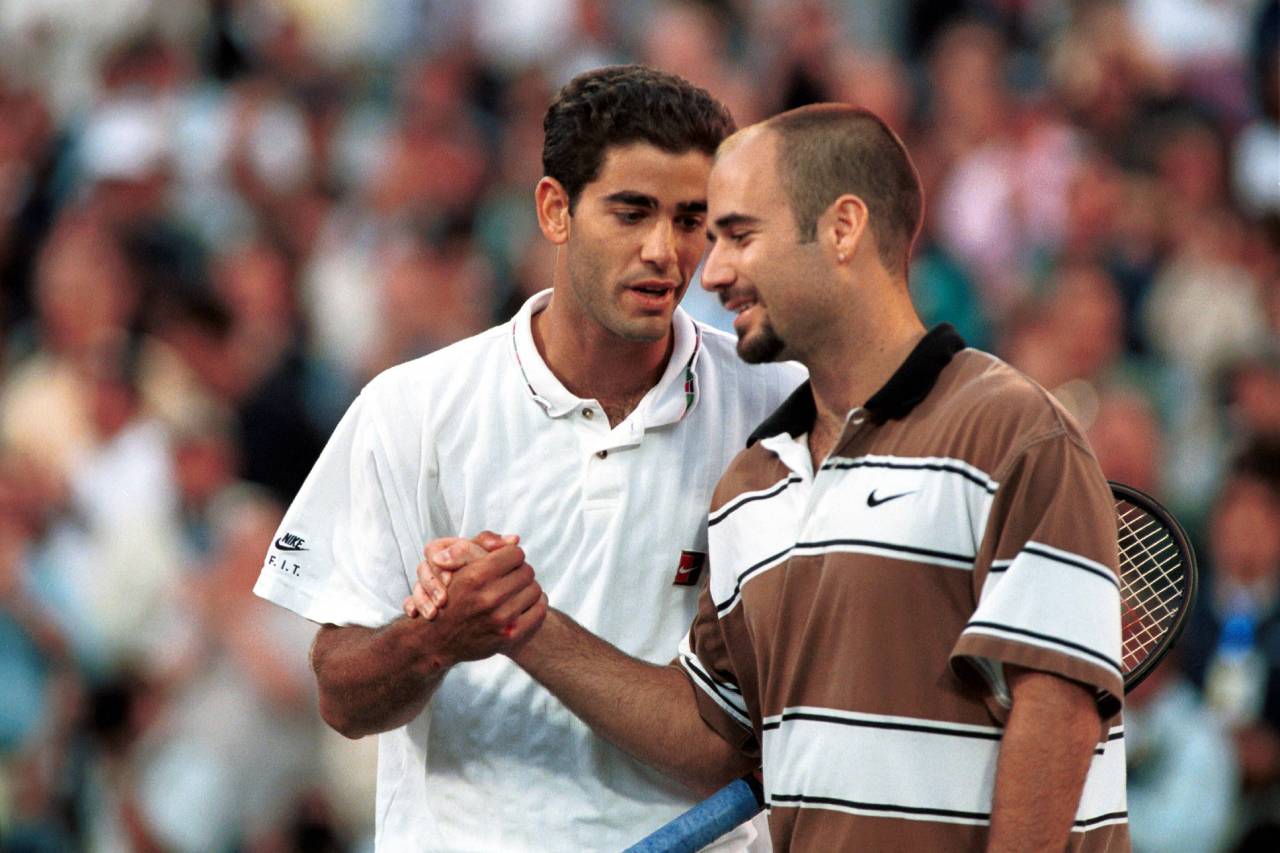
(552, 203)
(845, 224)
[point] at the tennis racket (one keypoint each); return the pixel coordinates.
(1157, 590)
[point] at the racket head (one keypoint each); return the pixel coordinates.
(1158, 581)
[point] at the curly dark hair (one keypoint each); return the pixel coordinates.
(619, 105)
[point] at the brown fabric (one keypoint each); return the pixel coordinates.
(877, 633)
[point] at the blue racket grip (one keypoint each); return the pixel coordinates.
(735, 803)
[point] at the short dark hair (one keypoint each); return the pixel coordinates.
(619, 105)
(827, 150)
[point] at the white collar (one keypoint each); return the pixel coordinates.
(674, 395)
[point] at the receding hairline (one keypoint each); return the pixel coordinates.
(737, 138)
(794, 131)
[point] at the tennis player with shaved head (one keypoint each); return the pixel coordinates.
(912, 618)
(596, 422)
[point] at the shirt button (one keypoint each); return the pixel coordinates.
(602, 454)
(588, 413)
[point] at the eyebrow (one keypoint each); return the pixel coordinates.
(729, 220)
(633, 198)
(648, 202)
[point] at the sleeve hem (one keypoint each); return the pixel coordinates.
(972, 648)
(311, 607)
(739, 735)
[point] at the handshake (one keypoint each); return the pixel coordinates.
(493, 607)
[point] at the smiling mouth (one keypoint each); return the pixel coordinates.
(739, 304)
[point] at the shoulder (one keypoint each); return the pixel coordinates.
(403, 400)
(987, 413)
(460, 365)
(992, 394)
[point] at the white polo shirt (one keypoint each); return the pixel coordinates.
(481, 435)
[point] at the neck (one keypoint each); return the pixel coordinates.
(852, 366)
(592, 362)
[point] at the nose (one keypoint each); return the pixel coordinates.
(716, 271)
(659, 247)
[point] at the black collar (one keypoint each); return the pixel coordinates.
(910, 383)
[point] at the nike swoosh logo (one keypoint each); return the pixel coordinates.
(682, 572)
(873, 501)
(281, 545)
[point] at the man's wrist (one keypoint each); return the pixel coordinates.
(412, 639)
(542, 643)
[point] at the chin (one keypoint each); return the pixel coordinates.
(645, 332)
(761, 347)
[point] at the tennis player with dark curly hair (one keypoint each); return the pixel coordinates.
(598, 420)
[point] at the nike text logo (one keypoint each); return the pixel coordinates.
(874, 501)
(290, 542)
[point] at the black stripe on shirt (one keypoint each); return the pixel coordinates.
(933, 729)
(832, 544)
(986, 485)
(1058, 641)
(725, 512)
(890, 546)
(719, 690)
(1090, 821)
(728, 603)
(1067, 561)
(799, 799)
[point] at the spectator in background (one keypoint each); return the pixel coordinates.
(435, 289)
(123, 494)
(1128, 440)
(1256, 175)
(232, 750)
(1182, 779)
(85, 299)
(691, 39)
(1232, 646)
(205, 468)
(27, 154)
(1253, 395)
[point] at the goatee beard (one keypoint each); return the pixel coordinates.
(763, 347)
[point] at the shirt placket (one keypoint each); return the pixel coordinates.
(857, 424)
(606, 463)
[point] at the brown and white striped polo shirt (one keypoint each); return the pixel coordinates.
(856, 620)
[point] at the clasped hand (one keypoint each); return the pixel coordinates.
(493, 607)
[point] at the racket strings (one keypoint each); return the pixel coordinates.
(1151, 580)
(1165, 549)
(1147, 580)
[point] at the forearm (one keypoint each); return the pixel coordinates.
(1044, 758)
(646, 710)
(371, 680)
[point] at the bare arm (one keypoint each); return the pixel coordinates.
(646, 710)
(1044, 757)
(375, 680)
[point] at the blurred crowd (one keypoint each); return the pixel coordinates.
(219, 218)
